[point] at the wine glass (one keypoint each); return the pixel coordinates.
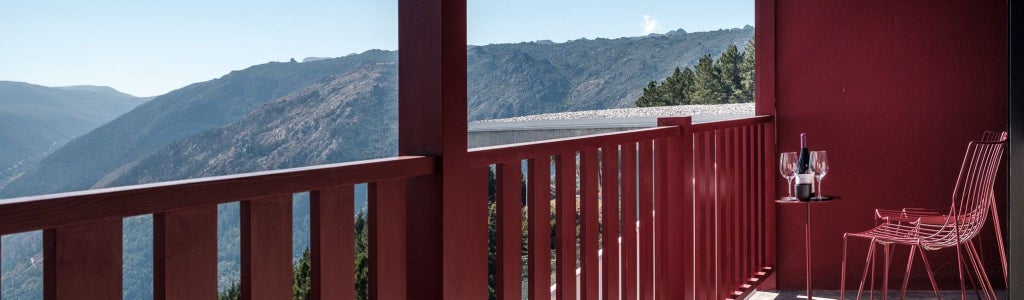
(787, 166)
(819, 164)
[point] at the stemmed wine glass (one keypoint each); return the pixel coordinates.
(787, 166)
(819, 164)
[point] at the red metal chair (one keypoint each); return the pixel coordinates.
(932, 230)
(910, 214)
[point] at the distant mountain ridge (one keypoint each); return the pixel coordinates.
(280, 115)
(36, 120)
(505, 80)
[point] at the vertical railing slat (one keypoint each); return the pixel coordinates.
(661, 211)
(646, 203)
(736, 223)
(748, 201)
(331, 240)
(83, 259)
(610, 222)
(266, 235)
(185, 254)
(629, 219)
(707, 218)
(768, 183)
(723, 202)
(387, 227)
(508, 226)
(590, 270)
(565, 222)
(539, 239)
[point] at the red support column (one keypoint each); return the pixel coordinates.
(83, 260)
(447, 217)
(677, 262)
(266, 236)
(185, 254)
(331, 243)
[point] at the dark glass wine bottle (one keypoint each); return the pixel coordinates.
(803, 162)
(804, 176)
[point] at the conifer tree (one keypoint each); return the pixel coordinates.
(674, 89)
(747, 72)
(728, 68)
(707, 85)
(652, 96)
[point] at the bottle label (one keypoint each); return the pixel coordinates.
(805, 178)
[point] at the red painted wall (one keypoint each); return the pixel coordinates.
(893, 90)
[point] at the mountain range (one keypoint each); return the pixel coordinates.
(37, 120)
(281, 115)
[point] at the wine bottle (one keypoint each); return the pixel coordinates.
(804, 176)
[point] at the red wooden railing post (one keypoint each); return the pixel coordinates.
(331, 243)
(83, 260)
(610, 274)
(565, 222)
(539, 226)
(646, 204)
(266, 244)
(387, 236)
(675, 268)
(508, 219)
(590, 271)
(185, 254)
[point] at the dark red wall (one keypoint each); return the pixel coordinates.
(893, 90)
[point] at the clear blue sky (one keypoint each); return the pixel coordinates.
(147, 48)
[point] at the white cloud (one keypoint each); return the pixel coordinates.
(650, 24)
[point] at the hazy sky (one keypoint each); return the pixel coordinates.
(147, 48)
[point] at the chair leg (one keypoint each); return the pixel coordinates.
(885, 273)
(974, 267)
(970, 279)
(960, 272)
(983, 275)
(906, 275)
(999, 241)
(842, 276)
(867, 262)
(928, 269)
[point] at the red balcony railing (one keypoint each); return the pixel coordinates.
(680, 211)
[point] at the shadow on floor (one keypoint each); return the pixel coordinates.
(826, 295)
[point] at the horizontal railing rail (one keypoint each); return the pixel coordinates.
(678, 211)
(53, 210)
(502, 153)
(82, 231)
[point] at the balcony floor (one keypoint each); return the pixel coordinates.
(913, 295)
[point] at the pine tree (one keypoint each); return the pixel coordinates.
(674, 89)
(729, 74)
(688, 84)
(301, 283)
(747, 81)
(707, 84)
(652, 96)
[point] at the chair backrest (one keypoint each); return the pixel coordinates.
(972, 195)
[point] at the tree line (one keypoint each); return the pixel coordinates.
(728, 79)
